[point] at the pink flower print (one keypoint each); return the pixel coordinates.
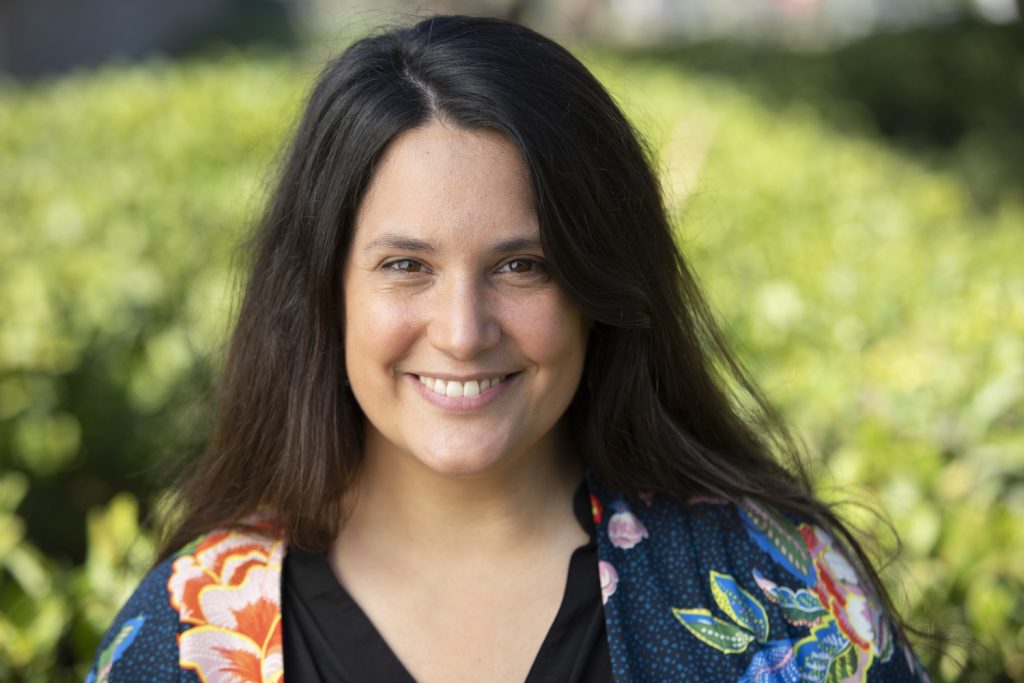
(840, 591)
(624, 529)
(609, 580)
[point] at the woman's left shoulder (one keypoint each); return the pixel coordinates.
(711, 588)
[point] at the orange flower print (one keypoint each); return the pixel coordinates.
(228, 587)
(596, 510)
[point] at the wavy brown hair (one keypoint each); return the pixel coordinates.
(664, 405)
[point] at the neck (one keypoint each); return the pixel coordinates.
(524, 502)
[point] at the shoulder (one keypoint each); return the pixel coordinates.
(213, 606)
(740, 591)
(141, 643)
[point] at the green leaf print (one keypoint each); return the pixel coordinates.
(843, 666)
(782, 534)
(719, 634)
(800, 607)
(116, 649)
(739, 605)
(886, 647)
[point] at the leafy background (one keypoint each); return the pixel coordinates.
(857, 226)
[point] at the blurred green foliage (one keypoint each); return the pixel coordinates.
(878, 300)
(123, 194)
(952, 94)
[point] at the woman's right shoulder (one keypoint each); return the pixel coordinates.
(165, 630)
(141, 643)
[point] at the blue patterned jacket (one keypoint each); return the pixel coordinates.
(709, 591)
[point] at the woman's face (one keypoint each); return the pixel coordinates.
(460, 348)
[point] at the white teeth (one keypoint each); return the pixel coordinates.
(455, 388)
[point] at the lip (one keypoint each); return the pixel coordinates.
(464, 404)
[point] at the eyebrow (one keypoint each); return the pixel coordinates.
(516, 244)
(399, 243)
(408, 244)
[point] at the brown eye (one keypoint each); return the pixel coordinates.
(522, 266)
(406, 266)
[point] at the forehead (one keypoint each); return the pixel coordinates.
(448, 184)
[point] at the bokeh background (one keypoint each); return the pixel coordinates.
(846, 176)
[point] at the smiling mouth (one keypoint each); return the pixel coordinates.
(454, 388)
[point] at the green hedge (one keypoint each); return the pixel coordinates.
(123, 195)
(880, 307)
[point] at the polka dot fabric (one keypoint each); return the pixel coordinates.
(710, 591)
(694, 599)
(152, 654)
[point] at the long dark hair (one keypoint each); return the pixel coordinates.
(664, 405)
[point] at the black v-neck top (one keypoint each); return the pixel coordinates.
(328, 637)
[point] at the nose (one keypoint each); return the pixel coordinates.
(463, 323)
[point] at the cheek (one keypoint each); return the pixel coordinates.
(550, 330)
(378, 330)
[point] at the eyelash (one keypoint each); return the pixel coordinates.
(393, 265)
(537, 267)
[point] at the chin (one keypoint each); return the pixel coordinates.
(463, 454)
(462, 466)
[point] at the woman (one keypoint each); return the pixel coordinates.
(473, 423)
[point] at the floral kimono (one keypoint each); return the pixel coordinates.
(708, 591)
